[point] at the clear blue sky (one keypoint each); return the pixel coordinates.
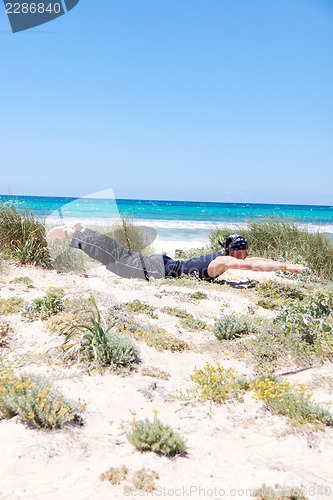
(214, 100)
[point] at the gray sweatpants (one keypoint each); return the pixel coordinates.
(116, 258)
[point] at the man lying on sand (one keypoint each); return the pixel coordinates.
(127, 264)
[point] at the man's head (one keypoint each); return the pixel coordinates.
(236, 246)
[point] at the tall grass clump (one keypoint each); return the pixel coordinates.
(134, 238)
(66, 259)
(22, 235)
(282, 239)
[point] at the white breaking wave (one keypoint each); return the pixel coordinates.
(173, 224)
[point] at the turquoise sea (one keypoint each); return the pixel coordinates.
(182, 223)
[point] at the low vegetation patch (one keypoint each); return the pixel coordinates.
(186, 320)
(161, 340)
(136, 306)
(155, 436)
(25, 280)
(198, 295)
(279, 492)
(271, 349)
(35, 400)
(44, 307)
(282, 398)
(301, 335)
(274, 293)
(151, 371)
(142, 479)
(76, 312)
(11, 305)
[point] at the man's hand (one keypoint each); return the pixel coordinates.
(296, 268)
(60, 233)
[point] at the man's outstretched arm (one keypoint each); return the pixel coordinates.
(221, 264)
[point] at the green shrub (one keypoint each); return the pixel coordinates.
(22, 235)
(157, 437)
(193, 252)
(312, 318)
(218, 384)
(44, 307)
(35, 400)
(230, 326)
(98, 345)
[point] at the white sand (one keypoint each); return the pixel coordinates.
(232, 449)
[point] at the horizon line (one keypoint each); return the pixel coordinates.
(168, 200)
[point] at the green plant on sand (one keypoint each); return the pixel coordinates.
(44, 307)
(35, 400)
(155, 436)
(98, 345)
(22, 235)
(230, 326)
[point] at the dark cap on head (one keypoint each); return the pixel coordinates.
(234, 242)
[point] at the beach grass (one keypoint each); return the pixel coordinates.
(130, 236)
(22, 235)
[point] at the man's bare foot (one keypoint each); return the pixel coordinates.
(79, 226)
(60, 233)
